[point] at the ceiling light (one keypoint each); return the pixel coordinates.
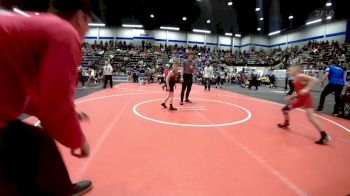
(230, 3)
(290, 17)
(36, 13)
(170, 28)
(228, 34)
(201, 31)
(274, 33)
(97, 24)
(18, 11)
(184, 18)
(259, 29)
(132, 26)
(208, 21)
(257, 9)
(314, 21)
(152, 16)
(261, 19)
(328, 4)
(238, 35)
(329, 17)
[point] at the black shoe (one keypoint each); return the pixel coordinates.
(325, 139)
(283, 126)
(188, 101)
(172, 108)
(181, 103)
(319, 110)
(82, 187)
(163, 104)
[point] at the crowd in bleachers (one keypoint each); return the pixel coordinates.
(150, 60)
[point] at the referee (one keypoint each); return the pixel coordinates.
(188, 67)
(335, 75)
(107, 72)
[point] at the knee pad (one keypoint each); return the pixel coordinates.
(286, 109)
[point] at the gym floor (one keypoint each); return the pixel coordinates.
(224, 143)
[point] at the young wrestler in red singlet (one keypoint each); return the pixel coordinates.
(170, 82)
(303, 84)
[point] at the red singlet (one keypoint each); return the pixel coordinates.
(305, 100)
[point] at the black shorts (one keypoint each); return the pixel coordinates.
(171, 86)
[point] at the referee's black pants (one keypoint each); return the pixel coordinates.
(108, 77)
(330, 88)
(30, 163)
(186, 86)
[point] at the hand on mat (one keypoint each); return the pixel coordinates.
(82, 116)
(84, 151)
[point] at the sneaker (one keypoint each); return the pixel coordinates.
(324, 140)
(188, 101)
(172, 108)
(181, 103)
(82, 187)
(163, 104)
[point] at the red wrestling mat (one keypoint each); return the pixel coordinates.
(223, 144)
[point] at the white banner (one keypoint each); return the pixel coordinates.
(280, 74)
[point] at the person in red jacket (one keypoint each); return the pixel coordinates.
(302, 85)
(42, 53)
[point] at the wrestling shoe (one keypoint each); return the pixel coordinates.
(172, 108)
(283, 126)
(324, 140)
(163, 104)
(82, 187)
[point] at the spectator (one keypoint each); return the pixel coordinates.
(208, 75)
(31, 163)
(345, 98)
(335, 75)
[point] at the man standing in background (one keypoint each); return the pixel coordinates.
(44, 60)
(336, 82)
(107, 72)
(188, 67)
(208, 75)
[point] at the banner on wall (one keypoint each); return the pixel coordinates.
(124, 78)
(280, 74)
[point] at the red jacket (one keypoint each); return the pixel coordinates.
(39, 56)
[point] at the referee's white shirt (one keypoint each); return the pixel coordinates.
(107, 70)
